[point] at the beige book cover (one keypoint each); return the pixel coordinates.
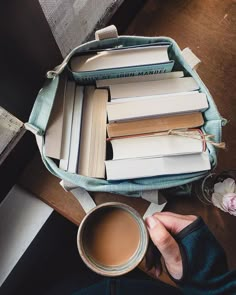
(93, 137)
(155, 125)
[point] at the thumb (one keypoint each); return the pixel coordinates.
(167, 245)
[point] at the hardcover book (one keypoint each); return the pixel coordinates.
(124, 62)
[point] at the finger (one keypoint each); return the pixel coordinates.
(181, 216)
(167, 245)
(174, 223)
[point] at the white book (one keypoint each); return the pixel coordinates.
(135, 98)
(153, 87)
(156, 107)
(157, 145)
(76, 130)
(54, 132)
(140, 78)
(148, 167)
(67, 124)
(109, 59)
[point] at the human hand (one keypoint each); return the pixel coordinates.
(161, 227)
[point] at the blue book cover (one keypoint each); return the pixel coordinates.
(89, 77)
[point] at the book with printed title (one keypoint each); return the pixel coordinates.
(124, 62)
(139, 78)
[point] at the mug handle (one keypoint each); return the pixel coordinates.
(157, 200)
(86, 201)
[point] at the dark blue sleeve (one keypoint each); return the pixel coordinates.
(124, 286)
(205, 269)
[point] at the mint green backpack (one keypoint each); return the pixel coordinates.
(184, 61)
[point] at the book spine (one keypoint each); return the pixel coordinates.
(89, 77)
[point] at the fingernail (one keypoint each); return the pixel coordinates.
(151, 222)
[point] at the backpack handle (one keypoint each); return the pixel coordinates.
(106, 33)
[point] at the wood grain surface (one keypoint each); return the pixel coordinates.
(208, 28)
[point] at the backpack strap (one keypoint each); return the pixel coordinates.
(191, 58)
(157, 200)
(40, 114)
(106, 33)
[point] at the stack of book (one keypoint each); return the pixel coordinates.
(141, 115)
(150, 119)
(76, 133)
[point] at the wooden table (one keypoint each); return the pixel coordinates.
(208, 28)
(39, 181)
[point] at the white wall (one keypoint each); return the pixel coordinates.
(72, 21)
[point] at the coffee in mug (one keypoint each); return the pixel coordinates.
(112, 239)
